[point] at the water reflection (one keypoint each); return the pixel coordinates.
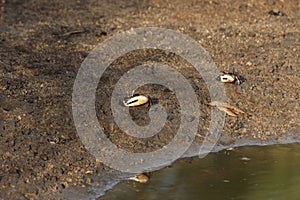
(269, 172)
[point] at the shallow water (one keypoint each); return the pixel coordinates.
(253, 172)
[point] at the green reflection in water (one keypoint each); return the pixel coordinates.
(254, 172)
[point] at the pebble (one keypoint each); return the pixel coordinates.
(245, 159)
(276, 12)
(88, 181)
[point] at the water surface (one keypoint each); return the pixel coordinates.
(253, 172)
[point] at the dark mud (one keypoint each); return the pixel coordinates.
(43, 43)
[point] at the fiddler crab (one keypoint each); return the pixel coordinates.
(137, 100)
(230, 77)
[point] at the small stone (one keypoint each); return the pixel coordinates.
(248, 63)
(276, 12)
(69, 180)
(245, 159)
(89, 172)
(88, 181)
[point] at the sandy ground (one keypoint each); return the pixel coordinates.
(43, 43)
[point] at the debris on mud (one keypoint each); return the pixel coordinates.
(228, 109)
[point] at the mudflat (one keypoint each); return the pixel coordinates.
(42, 46)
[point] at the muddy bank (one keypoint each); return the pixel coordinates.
(43, 43)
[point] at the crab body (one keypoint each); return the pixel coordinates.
(229, 77)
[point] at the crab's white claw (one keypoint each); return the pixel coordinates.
(227, 78)
(136, 101)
